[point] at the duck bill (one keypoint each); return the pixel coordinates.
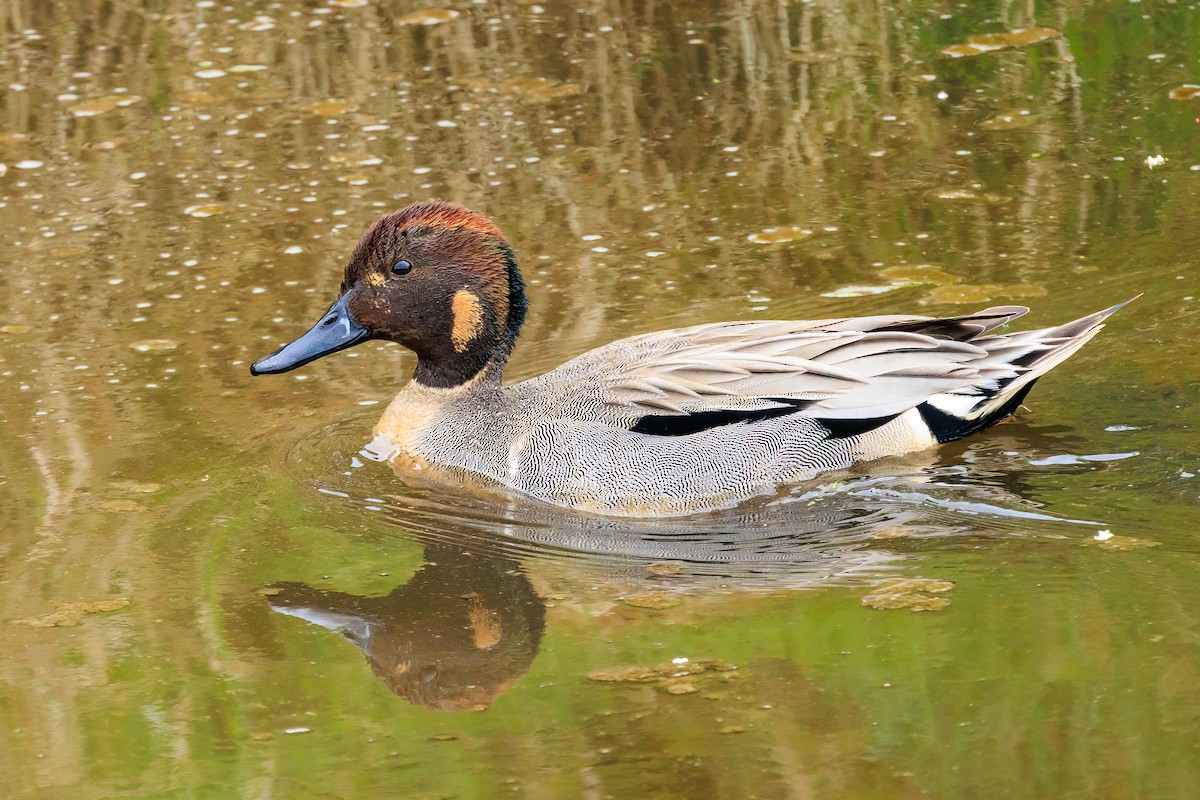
(336, 331)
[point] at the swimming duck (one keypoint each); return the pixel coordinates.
(667, 423)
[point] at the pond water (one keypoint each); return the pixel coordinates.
(207, 590)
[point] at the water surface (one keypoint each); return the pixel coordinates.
(206, 590)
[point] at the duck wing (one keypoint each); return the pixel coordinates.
(766, 366)
(851, 374)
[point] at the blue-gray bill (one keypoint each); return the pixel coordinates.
(336, 331)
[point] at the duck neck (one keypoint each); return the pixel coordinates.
(459, 370)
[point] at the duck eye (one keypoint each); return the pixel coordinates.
(401, 267)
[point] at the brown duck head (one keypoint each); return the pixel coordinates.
(435, 277)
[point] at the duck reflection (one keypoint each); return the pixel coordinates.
(454, 637)
(469, 623)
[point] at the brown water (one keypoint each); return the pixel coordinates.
(188, 556)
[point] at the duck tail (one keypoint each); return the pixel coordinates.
(1013, 363)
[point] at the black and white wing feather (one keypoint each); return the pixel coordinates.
(843, 372)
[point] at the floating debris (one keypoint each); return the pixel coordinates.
(1008, 120)
(968, 196)
(934, 585)
(108, 144)
(71, 614)
(154, 345)
(653, 600)
(120, 506)
(259, 23)
(862, 291)
(1107, 540)
(966, 293)
(428, 16)
(893, 532)
(898, 277)
(102, 105)
(1189, 91)
(1066, 459)
(136, 487)
(625, 675)
(780, 235)
(536, 88)
(662, 672)
(991, 42)
(355, 160)
(910, 593)
(329, 108)
(206, 210)
(681, 688)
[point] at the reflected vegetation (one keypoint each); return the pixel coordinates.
(180, 183)
(980, 43)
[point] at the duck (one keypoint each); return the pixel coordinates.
(670, 423)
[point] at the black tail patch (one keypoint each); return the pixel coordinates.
(949, 428)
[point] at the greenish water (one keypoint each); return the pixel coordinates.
(207, 591)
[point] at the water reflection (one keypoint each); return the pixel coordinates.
(453, 637)
(469, 623)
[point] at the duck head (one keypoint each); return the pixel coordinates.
(435, 277)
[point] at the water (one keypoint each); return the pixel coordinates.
(207, 590)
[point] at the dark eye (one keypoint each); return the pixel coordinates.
(401, 268)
